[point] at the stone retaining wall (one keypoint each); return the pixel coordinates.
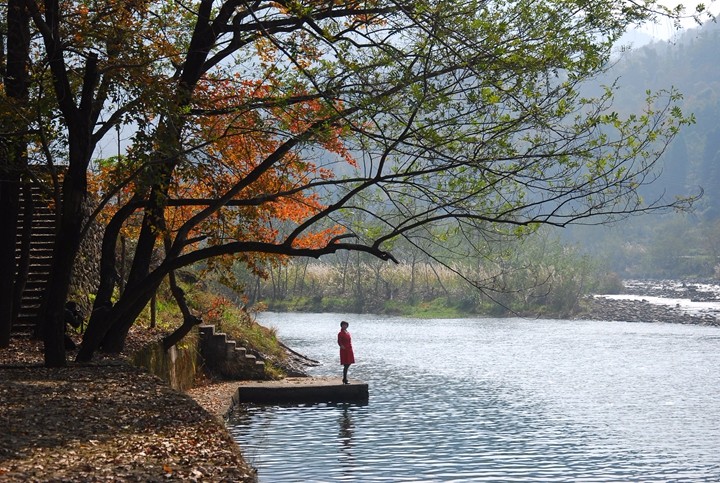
(177, 367)
(210, 351)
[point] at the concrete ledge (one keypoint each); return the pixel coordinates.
(301, 390)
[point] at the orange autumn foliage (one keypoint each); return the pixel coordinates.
(235, 144)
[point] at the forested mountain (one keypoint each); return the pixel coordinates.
(690, 65)
(672, 244)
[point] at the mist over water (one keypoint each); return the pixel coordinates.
(497, 400)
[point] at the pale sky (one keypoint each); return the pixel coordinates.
(665, 30)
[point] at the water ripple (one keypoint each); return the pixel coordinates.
(488, 400)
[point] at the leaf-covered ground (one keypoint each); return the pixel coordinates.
(109, 421)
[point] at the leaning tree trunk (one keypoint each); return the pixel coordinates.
(124, 318)
(114, 339)
(138, 288)
(189, 319)
(99, 323)
(123, 314)
(110, 324)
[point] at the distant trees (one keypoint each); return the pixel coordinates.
(536, 275)
(266, 130)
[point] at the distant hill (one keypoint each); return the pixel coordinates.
(669, 245)
(690, 65)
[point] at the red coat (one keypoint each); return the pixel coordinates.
(346, 350)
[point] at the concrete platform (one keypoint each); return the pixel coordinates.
(301, 390)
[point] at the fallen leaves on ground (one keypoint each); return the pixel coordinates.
(108, 421)
(215, 396)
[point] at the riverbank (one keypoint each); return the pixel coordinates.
(109, 421)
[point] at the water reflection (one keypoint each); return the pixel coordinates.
(497, 401)
(345, 436)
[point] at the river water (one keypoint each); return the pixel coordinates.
(497, 400)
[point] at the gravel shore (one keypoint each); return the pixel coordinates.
(598, 308)
(684, 302)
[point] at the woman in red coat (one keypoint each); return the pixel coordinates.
(346, 351)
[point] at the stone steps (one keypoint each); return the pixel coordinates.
(225, 358)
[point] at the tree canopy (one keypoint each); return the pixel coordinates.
(266, 129)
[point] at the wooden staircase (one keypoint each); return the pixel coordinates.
(39, 219)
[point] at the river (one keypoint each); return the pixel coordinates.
(497, 400)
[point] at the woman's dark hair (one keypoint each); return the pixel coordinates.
(343, 322)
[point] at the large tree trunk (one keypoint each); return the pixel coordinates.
(140, 284)
(69, 232)
(114, 340)
(80, 121)
(137, 285)
(67, 243)
(8, 220)
(124, 313)
(109, 325)
(12, 153)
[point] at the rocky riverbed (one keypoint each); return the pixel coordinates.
(666, 301)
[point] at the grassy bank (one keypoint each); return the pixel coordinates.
(439, 307)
